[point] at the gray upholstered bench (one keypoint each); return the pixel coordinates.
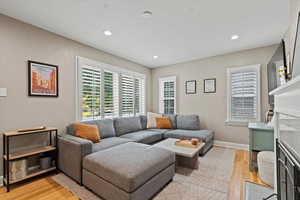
(130, 171)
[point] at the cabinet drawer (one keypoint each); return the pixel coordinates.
(262, 140)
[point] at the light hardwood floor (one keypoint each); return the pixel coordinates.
(46, 189)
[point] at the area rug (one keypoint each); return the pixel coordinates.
(209, 182)
(257, 192)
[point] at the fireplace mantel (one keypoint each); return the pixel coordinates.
(287, 98)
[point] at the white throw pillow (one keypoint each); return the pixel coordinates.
(151, 121)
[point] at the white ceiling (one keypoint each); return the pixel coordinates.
(178, 31)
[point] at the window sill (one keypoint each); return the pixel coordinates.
(237, 123)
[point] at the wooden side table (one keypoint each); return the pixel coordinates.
(10, 157)
(261, 138)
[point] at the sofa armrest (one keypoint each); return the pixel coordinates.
(71, 151)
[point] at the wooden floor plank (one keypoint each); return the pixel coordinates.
(47, 189)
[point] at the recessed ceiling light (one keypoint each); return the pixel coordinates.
(147, 14)
(155, 57)
(235, 37)
(107, 33)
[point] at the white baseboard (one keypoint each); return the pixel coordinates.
(1, 180)
(231, 145)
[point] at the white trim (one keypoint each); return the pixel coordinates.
(77, 99)
(231, 145)
(1, 180)
(257, 67)
(81, 61)
(237, 123)
(109, 67)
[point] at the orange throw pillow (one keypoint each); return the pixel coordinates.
(86, 131)
(163, 122)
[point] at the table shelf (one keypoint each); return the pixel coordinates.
(9, 158)
(32, 174)
(28, 153)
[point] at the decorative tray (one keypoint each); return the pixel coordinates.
(187, 143)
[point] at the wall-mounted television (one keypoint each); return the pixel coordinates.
(277, 70)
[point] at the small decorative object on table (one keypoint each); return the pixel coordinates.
(15, 164)
(269, 114)
(193, 143)
(17, 169)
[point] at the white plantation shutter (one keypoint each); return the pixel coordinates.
(244, 94)
(127, 95)
(105, 91)
(90, 93)
(111, 94)
(167, 95)
(139, 97)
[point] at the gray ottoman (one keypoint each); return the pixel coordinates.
(130, 171)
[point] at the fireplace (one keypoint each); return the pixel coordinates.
(288, 173)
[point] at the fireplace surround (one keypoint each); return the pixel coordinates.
(287, 140)
(288, 174)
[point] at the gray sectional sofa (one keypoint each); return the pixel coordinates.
(124, 163)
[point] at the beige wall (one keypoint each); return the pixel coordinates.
(21, 42)
(291, 32)
(212, 107)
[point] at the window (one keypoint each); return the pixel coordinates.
(243, 94)
(167, 95)
(105, 91)
(91, 89)
(132, 101)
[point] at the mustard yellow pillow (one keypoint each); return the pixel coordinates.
(163, 122)
(87, 131)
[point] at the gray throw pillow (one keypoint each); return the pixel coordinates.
(188, 122)
(125, 125)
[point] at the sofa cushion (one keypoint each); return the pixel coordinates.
(144, 136)
(108, 143)
(172, 118)
(105, 126)
(162, 131)
(125, 125)
(128, 166)
(143, 121)
(204, 135)
(188, 122)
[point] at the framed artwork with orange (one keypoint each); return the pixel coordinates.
(42, 79)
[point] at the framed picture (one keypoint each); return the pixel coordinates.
(42, 79)
(190, 87)
(210, 85)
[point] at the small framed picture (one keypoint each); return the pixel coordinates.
(42, 79)
(190, 87)
(210, 85)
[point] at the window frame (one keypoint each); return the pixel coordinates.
(81, 61)
(236, 122)
(161, 97)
